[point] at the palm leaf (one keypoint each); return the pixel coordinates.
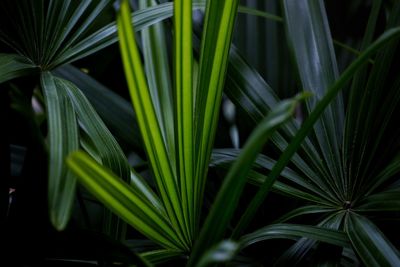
(309, 123)
(293, 231)
(107, 148)
(123, 200)
(370, 244)
(162, 255)
(231, 189)
(216, 40)
(184, 107)
(158, 77)
(147, 119)
(63, 139)
(313, 50)
(116, 112)
(14, 66)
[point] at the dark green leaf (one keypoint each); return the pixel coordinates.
(63, 139)
(231, 189)
(309, 36)
(116, 112)
(371, 245)
(294, 231)
(14, 66)
(309, 122)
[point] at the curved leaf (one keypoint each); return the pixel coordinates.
(116, 112)
(63, 139)
(294, 231)
(301, 248)
(371, 245)
(304, 210)
(123, 200)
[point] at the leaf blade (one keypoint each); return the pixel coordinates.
(14, 66)
(371, 245)
(121, 199)
(63, 139)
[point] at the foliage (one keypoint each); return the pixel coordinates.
(337, 161)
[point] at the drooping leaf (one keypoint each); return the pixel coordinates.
(303, 246)
(63, 139)
(293, 231)
(304, 210)
(109, 152)
(371, 245)
(116, 112)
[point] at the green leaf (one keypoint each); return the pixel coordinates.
(309, 36)
(301, 248)
(308, 125)
(123, 200)
(109, 151)
(156, 64)
(368, 127)
(225, 156)
(294, 231)
(371, 245)
(161, 255)
(116, 112)
(388, 172)
(216, 40)
(63, 139)
(14, 66)
(183, 53)
(149, 126)
(250, 92)
(220, 253)
(304, 210)
(107, 147)
(220, 214)
(380, 202)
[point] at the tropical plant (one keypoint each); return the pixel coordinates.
(321, 179)
(327, 152)
(344, 170)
